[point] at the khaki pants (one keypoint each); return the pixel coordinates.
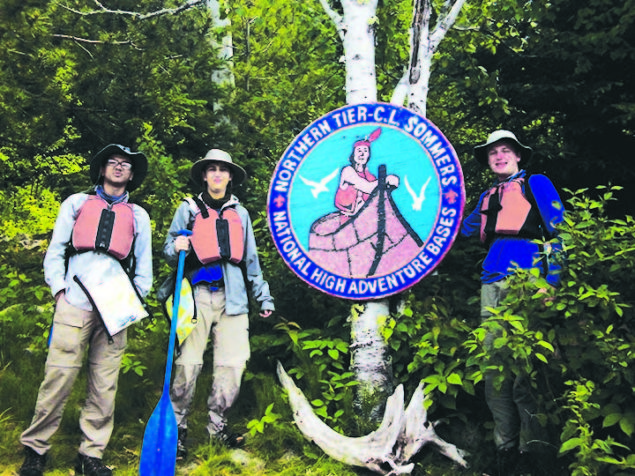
(230, 339)
(513, 406)
(74, 333)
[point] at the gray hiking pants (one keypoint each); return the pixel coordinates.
(513, 406)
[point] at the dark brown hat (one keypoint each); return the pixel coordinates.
(138, 159)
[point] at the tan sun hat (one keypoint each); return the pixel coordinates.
(480, 151)
(217, 155)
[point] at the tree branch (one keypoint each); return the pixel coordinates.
(141, 16)
(335, 17)
(419, 36)
(84, 40)
(449, 14)
(401, 90)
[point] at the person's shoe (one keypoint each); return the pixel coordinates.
(33, 463)
(230, 440)
(181, 450)
(506, 461)
(525, 465)
(89, 466)
(539, 462)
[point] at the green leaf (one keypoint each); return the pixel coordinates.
(627, 426)
(612, 419)
(570, 445)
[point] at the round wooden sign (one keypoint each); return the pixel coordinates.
(366, 201)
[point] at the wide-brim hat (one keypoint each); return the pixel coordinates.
(216, 155)
(480, 151)
(138, 159)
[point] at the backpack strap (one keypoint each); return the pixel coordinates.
(529, 194)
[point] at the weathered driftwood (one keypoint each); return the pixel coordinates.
(387, 450)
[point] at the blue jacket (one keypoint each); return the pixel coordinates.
(507, 253)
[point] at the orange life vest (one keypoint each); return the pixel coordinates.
(105, 227)
(506, 211)
(216, 236)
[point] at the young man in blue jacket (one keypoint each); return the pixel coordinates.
(83, 246)
(516, 220)
(222, 266)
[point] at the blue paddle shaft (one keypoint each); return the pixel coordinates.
(158, 452)
(175, 314)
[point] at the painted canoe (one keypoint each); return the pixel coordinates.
(374, 242)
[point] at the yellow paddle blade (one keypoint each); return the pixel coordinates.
(186, 320)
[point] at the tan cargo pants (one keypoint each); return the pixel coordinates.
(74, 333)
(230, 339)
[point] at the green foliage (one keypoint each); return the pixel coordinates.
(72, 82)
(426, 340)
(592, 454)
(321, 362)
(258, 426)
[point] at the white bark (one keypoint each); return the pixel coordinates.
(370, 359)
(224, 76)
(357, 31)
(424, 42)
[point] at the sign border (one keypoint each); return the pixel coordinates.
(452, 201)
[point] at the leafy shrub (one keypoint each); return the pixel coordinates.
(581, 333)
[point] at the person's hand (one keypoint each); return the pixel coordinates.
(182, 243)
(547, 298)
(266, 313)
(393, 181)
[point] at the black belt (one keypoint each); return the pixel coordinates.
(212, 285)
(216, 285)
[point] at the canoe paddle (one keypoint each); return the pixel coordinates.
(158, 452)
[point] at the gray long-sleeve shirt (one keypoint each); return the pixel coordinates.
(236, 297)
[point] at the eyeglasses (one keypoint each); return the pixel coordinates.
(114, 163)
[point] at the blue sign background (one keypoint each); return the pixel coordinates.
(410, 147)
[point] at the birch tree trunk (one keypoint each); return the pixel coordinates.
(413, 87)
(223, 76)
(370, 359)
(357, 32)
